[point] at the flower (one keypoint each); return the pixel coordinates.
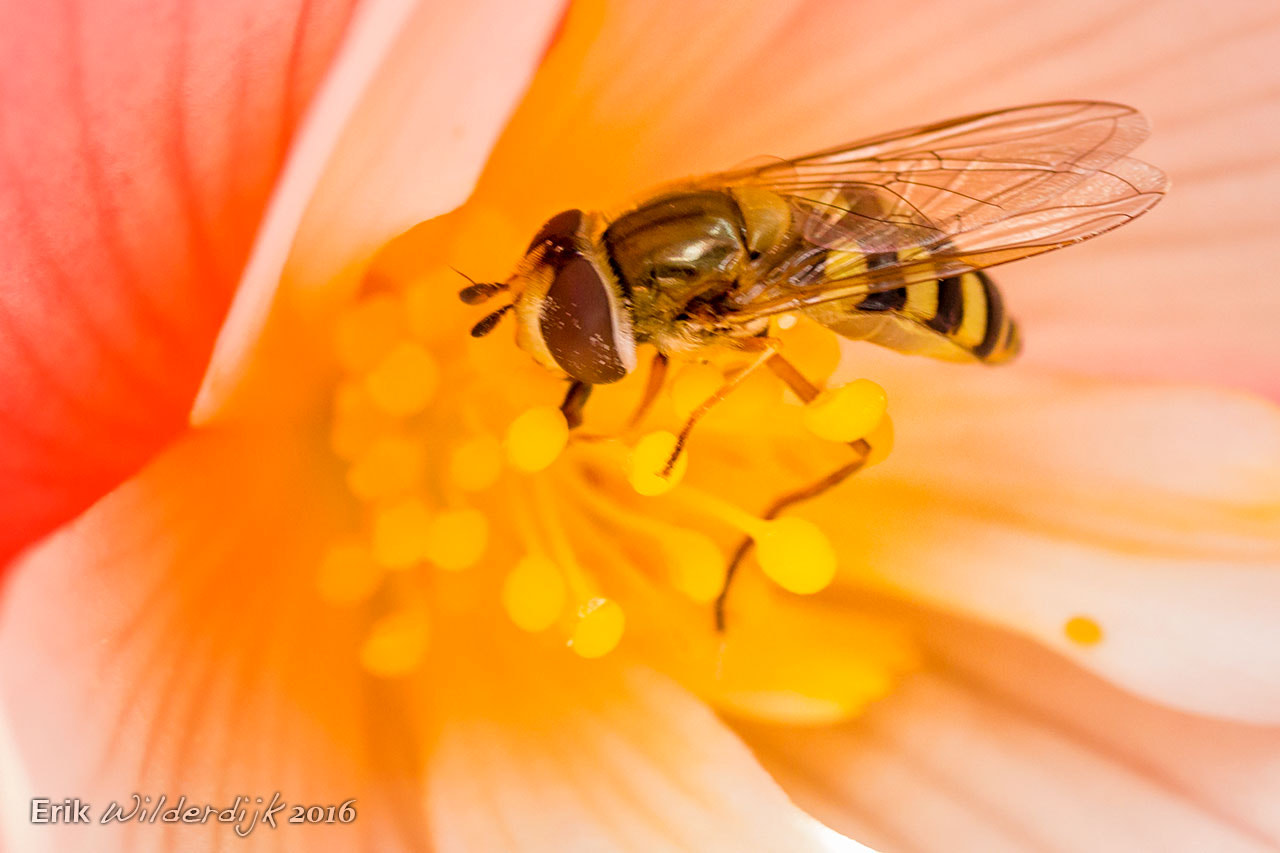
(254, 610)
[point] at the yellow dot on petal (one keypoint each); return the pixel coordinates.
(396, 644)
(648, 460)
(1083, 631)
(693, 386)
(697, 565)
(846, 413)
(391, 465)
(404, 380)
(533, 594)
(476, 464)
(366, 331)
(881, 441)
(599, 628)
(796, 555)
(348, 574)
(536, 437)
(456, 539)
(400, 533)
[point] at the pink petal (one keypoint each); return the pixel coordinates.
(539, 757)
(1003, 746)
(170, 641)
(139, 147)
(1151, 510)
(391, 143)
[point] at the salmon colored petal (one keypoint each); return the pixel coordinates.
(548, 758)
(1004, 746)
(1185, 292)
(138, 151)
(1152, 510)
(170, 641)
(391, 143)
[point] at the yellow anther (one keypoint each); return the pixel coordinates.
(599, 628)
(787, 321)
(1083, 631)
(881, 441)
(391, 465)
(476, 464)
(697, 564)
(456, 539)
(396, 644)
(846, 413)
(356, 421)
(649, 460)
(796, 555)
(366, 331)
(400, 533)
(348, 574)
(536, 437)
(693, 386)
(533, 594)
(404, 380)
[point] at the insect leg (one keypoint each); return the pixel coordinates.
(575, 400)
(806, 391)
(770, 351)
(657, 376)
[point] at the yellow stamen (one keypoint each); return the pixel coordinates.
(476, 464)
(348, 574)
(404, 380)
(793, 552)
(400, 536)
(881, 441)
(457, 539)
(366, 331)
(697, 562)
(1083, 631)
(533, 594)
(396, 644)
(847, 413)
(536, 437)
(787, 321)
(648, 461)
(391, 465)
(599, 629)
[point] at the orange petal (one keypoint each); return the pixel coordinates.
(1152, 512)
(1004, 746)
(399, 133)
(547, 757)
(138, 154)
(171, 641)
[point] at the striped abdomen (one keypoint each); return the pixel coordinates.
(959, 318)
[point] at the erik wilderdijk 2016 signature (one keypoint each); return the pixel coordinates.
(244, 814)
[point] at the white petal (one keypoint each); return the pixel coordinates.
(598, 760)
(1005, 747)
(1153, 510)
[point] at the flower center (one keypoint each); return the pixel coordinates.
(477, 498)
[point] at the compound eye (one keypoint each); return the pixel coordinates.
(584, 326)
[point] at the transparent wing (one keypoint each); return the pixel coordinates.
(955, 196)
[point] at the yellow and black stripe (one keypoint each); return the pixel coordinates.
(958, 318)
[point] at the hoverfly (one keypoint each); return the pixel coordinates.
(883, 240)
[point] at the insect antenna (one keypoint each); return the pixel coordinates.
(478, 291)
(485, 326)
